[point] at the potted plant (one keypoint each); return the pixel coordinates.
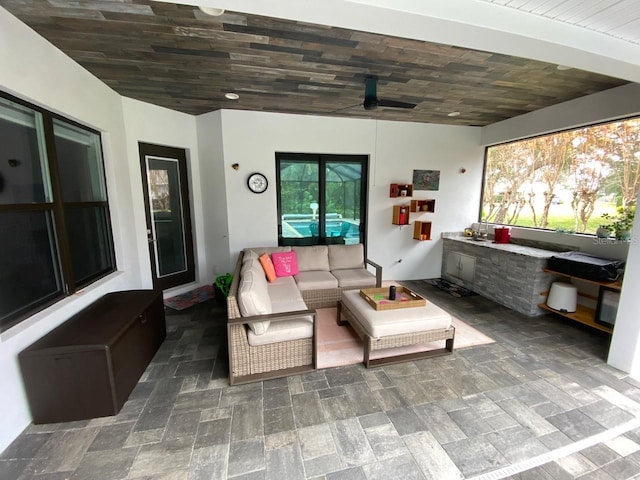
(622, 223)
(221, 285)
(604, 230)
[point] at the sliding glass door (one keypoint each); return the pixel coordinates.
(321, 198)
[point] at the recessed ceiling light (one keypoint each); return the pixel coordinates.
(214, 12)
(453, 114)
(563, 67)
(231, 96)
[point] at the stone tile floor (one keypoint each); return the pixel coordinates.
(540, 403)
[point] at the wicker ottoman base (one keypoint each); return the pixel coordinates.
(417, 337)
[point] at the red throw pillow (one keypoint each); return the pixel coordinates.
(285, 263)
(267, 266)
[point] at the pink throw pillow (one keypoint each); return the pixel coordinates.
(285, 263)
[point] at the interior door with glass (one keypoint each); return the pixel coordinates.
(165, 184)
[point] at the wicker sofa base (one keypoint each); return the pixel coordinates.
(324, 298)
(392, 341)
(254, 363)
(248, 363)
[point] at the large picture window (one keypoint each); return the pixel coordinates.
(54, 215)
(321, 198)
(572, 181)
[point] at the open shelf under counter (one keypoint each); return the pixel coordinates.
(617, 285)
(584, 315)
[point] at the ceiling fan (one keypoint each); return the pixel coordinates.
(371, 100)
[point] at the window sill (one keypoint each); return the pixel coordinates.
(52, 316)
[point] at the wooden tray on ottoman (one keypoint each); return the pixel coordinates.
(378, 298)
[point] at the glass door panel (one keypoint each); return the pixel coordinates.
(299, 202)
(321, 198)
(343, 198)
(167, 225)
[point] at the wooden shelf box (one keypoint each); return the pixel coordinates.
(422, 230)
(396, 189)
(400, 215)
(428, 205)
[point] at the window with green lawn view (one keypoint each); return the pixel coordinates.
(584, 180)
(54, 213)
(321, 198)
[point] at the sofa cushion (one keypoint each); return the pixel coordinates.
(354, 277)
(268, 267)
(253, 298)
(291, 305)
(316, 280)
(286, 330)
(269, 250)
(284, 289)
(285, 263)
(312, 258)
(346, 256)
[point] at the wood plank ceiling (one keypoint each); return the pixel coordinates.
(177, 57)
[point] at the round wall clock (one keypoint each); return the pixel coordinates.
(257, 182)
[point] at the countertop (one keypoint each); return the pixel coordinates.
(504, 247)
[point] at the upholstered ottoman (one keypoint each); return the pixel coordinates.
(384, 329)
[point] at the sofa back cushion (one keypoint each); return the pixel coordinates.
(269, 250)
(248, 255)
(346, 256)
(312, 258)
(253, 296)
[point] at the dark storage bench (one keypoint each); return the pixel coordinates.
(88, 366)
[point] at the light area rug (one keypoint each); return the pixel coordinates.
(338, 346)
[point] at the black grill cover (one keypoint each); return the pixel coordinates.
(587, 266)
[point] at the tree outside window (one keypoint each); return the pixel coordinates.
(564, 181)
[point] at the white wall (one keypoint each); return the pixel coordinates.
(34, 70)
(618, 102)
(395, 150)
(157, 125)
(625, 344)
(213, 168)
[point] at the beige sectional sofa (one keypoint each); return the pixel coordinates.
(272, 327)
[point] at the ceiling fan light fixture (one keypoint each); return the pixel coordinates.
(453, 114)
(370, 103)
(214, 12)
(231, 96)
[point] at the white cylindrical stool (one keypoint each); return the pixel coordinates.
(563, 297)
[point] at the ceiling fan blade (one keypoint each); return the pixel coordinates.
(346, 108)
(394, 103)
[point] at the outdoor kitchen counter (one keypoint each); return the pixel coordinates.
(504, 247)
(509, 274)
